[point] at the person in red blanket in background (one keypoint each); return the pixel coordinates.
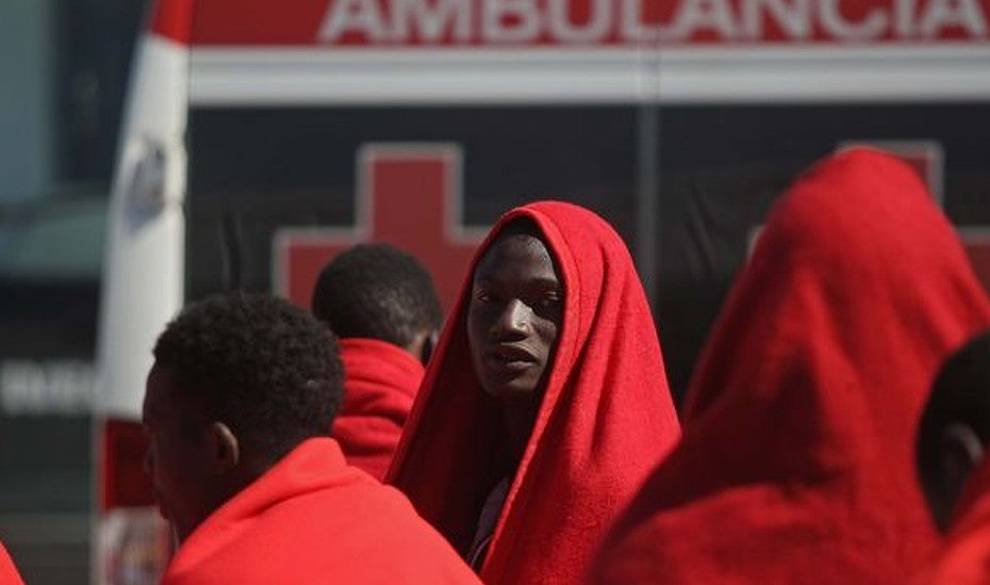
(238, 410)
(546, 403)
(384, 309)
(797, 464)
(8, 571)
(954, 468)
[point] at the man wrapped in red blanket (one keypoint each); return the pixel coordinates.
(796, 464)
(546, 404)
(238, 409)
(382, 305)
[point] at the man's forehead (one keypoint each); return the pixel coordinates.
(162, 388)
(155, 387)
(517, 257)
(166, 399)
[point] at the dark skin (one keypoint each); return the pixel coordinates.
(513, 320)
(195, 463)
(422, 345)
(961, 451)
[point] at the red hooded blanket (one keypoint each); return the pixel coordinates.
(797, 462)
(8, 572)
(606, 417)
(966, 559)
(313, 519)
(380, 382)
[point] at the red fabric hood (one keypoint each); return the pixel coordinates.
(797, 462)
(966, 559)
(605, 421)
(8, 571)
(380, 383)
(313, 519)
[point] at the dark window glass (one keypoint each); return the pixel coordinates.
(253, 170)
(723, 166)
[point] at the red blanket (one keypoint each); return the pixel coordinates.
(797, 462)
(380, 382)
(605, 421)
(8, 571)
(966, 559)
(313, 519)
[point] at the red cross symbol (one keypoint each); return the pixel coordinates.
(409, 196)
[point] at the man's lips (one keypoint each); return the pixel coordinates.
(509, 359)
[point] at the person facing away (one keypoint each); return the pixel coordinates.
(546, 403)
(382, 305)
(953, 466)
(796, 464)
(238, 408)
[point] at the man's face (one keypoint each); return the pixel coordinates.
(514, 315)
(177, 458)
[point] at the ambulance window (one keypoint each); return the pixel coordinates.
(253, 170)
(722, 167)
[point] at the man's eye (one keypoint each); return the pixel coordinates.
(549, 302)
(483, 296)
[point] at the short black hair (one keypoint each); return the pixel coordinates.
(960, 394)
(266, 368)
(377, 291)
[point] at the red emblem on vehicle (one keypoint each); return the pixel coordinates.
(408, 195)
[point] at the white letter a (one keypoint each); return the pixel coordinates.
(360, 16)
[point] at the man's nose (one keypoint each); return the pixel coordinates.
(513, 321)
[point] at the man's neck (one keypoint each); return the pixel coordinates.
(518, 418)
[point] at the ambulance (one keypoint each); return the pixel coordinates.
(262, 137)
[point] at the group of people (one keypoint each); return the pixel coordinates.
(531, 438)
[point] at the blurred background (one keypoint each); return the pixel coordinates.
(64, 66)
(262, 140)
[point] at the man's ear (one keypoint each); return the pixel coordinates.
(225, 449)
(961, 451)
(962, 446)
(423, 344)
(429, 344)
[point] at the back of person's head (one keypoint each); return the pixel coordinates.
(265, 368)
(955, 427)
(376, 291)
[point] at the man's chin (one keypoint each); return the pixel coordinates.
(512, 393)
